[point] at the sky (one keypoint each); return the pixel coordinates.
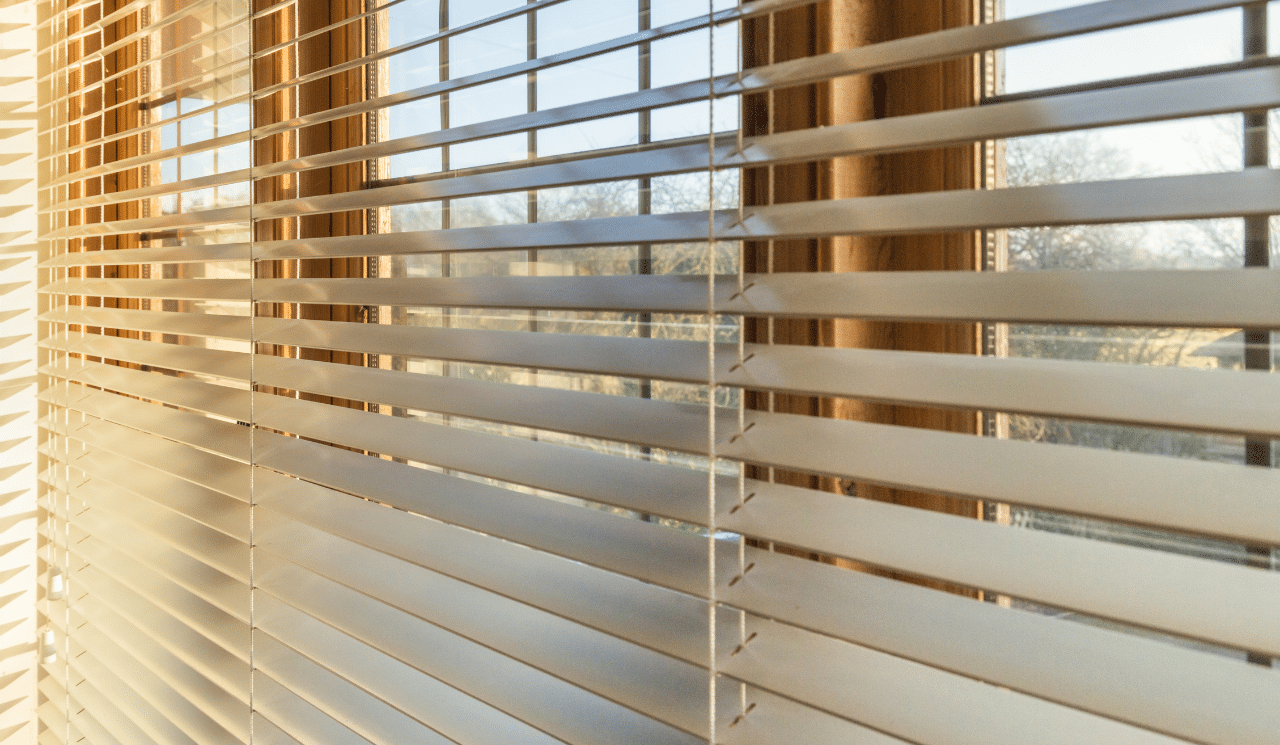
(1156, 149)
(1171, 148)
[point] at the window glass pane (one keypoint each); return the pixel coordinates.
(1204, 39)
(578, 23)
(1174, 148)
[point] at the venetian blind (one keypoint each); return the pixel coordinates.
(492, 372)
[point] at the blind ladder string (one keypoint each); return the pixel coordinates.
(711, 385)
(742, 496)
(64, 417)
(253, 386)
(769, 245)
(67, 486)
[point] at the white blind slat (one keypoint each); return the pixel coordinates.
(204, 506)
(297, 717)
(154, 626)
(427, 699)
(1172, 397)
(520, 690)
(134, 556)
(187, 722)
(113, 718)
(210, 699)
(161, 529)
(360, 511)
(369, 717)
(1185, 298)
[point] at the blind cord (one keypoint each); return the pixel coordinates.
(742, 394)
(711, 383)
(253, 398)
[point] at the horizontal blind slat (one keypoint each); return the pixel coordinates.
(132, 713)
(1137, 394)
(267, 733)
(217, 550)
(157, 510)
(444, 33)
(933, 47)
(691, 623)
(867, 686)
(214, 362)
(1170, 397)
(1161, 298)
(137, 161)
(556, 650)
(1056, 476)
(191, 219)
(1201, 196)
(674, 566)
(354, 708)
(198, 467)
(109, 714)
(1065, 477)
(212, 623)
(1189, 693)
(1252, 191)
(133, 555)
(219, 704)
(202, 82)
(143, 31)
(223, 438)
(228, 516)
(1223, 401)
(1153, 507)
(190, 324)
(224, 178)
(297, 717)
(87, 724)
(742, 11)
(159, 626)
(815, 675)
(1133, 594)
(182, 254)
(453, 713)
(961, 41)
(1168, 298)
(512, 686)
(1204, 95)
(405, 488)
(191, 86)
(657, 686)
(189, 721)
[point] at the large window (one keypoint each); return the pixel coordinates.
(599, 371)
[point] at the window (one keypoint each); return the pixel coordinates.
(593, 372)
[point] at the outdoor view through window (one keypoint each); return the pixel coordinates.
(585, 372)
(1202, 145)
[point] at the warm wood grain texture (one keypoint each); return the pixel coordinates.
(121, 113)
(311, 55)
(318, 53)
(830, 26)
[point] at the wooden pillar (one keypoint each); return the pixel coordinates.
(81, 103)
(270, 70)
(832, 26)
(121, 113)
(311, 55)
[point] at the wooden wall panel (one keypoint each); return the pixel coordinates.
(311, 55)
(831, 26)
